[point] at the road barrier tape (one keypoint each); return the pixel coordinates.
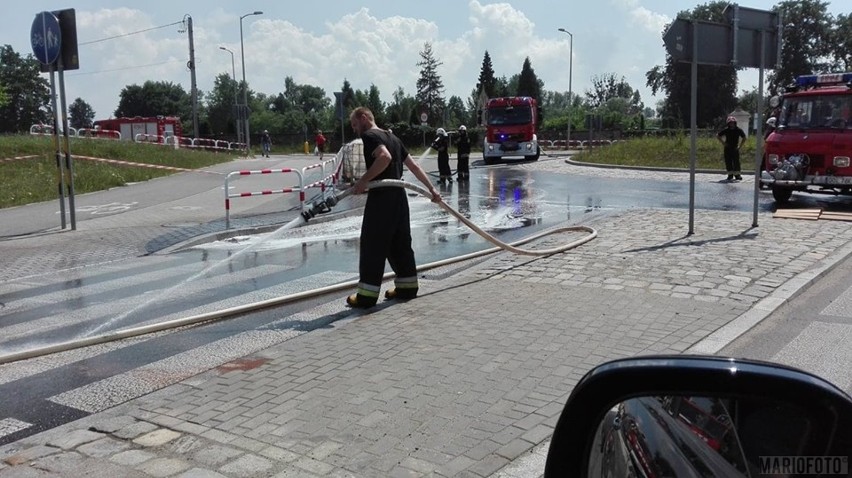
(19, 157)
(145, 165)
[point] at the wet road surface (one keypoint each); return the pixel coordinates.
(508, 201)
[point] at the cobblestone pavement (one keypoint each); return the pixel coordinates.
(466, 380)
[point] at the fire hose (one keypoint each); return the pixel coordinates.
(304, 217)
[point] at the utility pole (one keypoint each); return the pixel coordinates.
(191, 65)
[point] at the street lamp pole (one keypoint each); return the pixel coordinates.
(236, 100)
(570, 74)
(245, 86)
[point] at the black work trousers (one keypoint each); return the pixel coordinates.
(385, 234)
(732, 161)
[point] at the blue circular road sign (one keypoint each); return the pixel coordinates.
(46, 37)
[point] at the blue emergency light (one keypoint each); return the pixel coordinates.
(824, 79)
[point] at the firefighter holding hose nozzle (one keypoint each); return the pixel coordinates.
(386, 227)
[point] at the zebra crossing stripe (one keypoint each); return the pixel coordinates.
(11, 425)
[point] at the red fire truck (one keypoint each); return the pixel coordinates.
(511, 126)
(148, 129)
(811, 146)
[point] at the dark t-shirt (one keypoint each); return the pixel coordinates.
(463, 144)
(373, 138)
(732, 137)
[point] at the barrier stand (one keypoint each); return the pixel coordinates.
(228, 195)
(327, 180)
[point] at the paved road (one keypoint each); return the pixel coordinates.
(466, 380)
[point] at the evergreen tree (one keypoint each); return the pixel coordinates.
(528, 82)
(430, 88)
(487, 82)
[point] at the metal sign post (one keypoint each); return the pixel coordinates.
(46, 41)
(752, 38)
(69, 166)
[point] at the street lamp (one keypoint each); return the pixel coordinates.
(245, 86)
(236, 101)
(570, 74)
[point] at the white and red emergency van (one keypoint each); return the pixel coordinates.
(810, 148)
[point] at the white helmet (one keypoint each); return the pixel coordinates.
(462, 128)
(771, 121)
(441, 132)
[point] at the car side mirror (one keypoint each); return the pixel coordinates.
(701, 416)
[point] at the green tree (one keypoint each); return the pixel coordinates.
(486, 82)
(807, 33)
(80, 114)
(430, 88)
(221, 101)
(348, 95)
(154, 98)
(842, 42)
(27, 93)
(401, 108)
(717, 85)
(457, 113)
(3, 98)
(376, 105)
(503, 87)
(528, 82)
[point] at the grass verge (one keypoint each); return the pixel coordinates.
(36, 179)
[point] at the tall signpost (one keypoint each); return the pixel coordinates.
(53, 37)
(751, 38)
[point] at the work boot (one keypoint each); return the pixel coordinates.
(358, 301)
(730, 177)
(402, 294)
(738, 177)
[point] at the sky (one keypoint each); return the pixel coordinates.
(366, 42)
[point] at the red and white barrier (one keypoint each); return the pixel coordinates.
(228, 195)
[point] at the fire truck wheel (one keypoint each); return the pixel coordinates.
(782, 195)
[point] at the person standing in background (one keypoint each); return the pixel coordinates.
(441, 144)
(732, 138)
(265, 143)
(463, 151)
(320, 141)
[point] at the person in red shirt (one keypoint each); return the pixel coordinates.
(320, 141)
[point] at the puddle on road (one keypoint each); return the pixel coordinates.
(426, 218)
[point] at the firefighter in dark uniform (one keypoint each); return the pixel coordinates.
(732, 138)
(385, 229)
(463, 151)
(441, 144)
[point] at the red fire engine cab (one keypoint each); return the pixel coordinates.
(511, 127)
(810, 149)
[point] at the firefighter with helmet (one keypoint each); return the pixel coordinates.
(441, 144)
(732, 138)
(463, 151)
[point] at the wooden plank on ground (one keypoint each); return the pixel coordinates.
(809, 214)
(836, 216)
